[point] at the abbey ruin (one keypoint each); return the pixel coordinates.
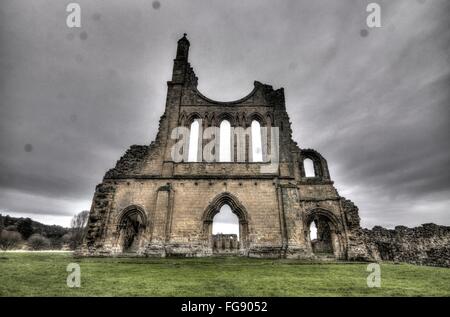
(155, 204)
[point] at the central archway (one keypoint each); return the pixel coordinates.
(214, 208)
(225, 232)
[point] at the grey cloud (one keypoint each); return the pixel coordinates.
(376, 106)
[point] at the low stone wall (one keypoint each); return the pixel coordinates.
(428, 244)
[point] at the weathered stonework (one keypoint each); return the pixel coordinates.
(225, 244)
(151, 205)
(428, 244)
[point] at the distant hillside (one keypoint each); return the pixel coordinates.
(26, 227)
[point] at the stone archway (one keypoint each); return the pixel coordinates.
(330, 240)
(238, 209)
(131, 224)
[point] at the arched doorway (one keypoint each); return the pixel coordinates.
(324, 234)
(131, 225)
(321, 243)
(226, 244)
(225, 232)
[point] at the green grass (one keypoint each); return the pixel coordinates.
(44, 274)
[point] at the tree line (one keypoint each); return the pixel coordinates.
(25, 233)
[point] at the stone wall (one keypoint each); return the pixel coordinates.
(428, 244)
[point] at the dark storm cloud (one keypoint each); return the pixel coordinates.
(374, 102)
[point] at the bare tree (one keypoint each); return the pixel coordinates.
(78, 224)
(9, 239)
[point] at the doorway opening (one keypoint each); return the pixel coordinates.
(131, 228)
(225, 231)
(228, 232)
(321, 236)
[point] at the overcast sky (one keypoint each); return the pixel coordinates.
(374, 102)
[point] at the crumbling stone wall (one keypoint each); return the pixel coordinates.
(428, 244)
(98, 218)
(129, 163)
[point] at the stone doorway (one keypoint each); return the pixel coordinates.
(225, 232)
(320, 236)
(229, 243)
(323, 235)
(131, 227)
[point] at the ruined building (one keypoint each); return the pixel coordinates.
(225, 244)
(154, 204)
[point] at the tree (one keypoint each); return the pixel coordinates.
(7, 221)
(38, 242)
(56, 243)
(67, 238)
(25, 227)
(78, 224)
(9, 239)
(11, 228)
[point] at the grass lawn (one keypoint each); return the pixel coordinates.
(44, 274)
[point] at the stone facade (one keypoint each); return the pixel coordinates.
(153, 205)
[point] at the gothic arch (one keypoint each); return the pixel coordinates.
(269, 118)
(225, 199)
(335, 226)
(131, 224)
(237, 208)
(131, 210)
(226, 116)
(258, 117)
(191, 117)
(312, 213)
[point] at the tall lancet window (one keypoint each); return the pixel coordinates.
(308, 165)
(193, 141)
(256, 142)
(225, 141)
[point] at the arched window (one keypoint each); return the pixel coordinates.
(308, 165)
(225, 144)
(313, 231)
(193, 142)
(256, 142)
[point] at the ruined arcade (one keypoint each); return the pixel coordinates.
(151, 204)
